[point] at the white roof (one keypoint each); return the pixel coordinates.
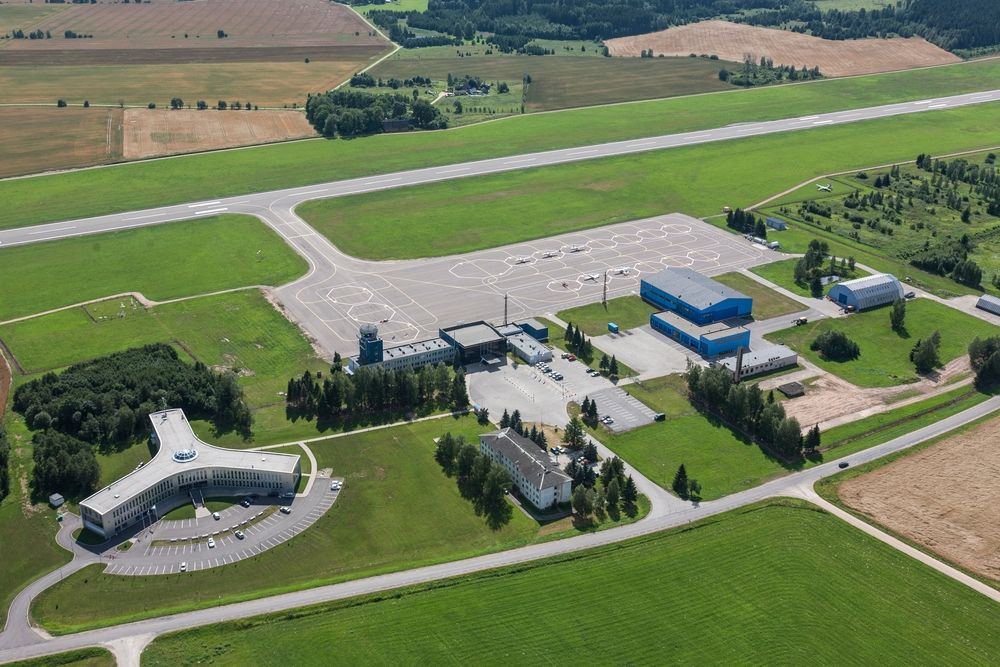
(763, 355)
(873, 280)
(181, 450)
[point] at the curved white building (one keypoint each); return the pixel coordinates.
(182, 467)
(871, 291)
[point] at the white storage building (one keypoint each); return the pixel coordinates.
(871, 291)
(528, 349)
(765, 360)
(989, 303)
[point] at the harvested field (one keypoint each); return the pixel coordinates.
(944, 498)
(150, 132)
(167, 24)
(24, 15)
(731, 41)
(263, 83)
(39, 138)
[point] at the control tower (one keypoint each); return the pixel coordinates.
(369, 345)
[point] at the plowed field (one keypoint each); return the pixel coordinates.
(944, 498)
(38, 138)
(732, 41)
(150, 132)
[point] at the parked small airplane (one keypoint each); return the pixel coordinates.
(591, 276)
(577, 248)
(623, 270)
(824, 188)
(550, 253)
(523, 260)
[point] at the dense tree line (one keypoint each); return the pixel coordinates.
(577, 342)
(479, 478)
(949, 256)
(4, 463)
(374, 393)
(752, 73)
(351, 113)
(835, 346)
(746, 222)
(745, 409)
(984, 356)
(107, 400)
(814, 265)
(610, 492)
(513, 421)
(64, 464)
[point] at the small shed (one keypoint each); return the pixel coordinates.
(779, 225)
(56, 500)
(792, 389)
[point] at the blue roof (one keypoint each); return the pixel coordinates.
(693, 288)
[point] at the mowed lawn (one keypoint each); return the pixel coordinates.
(727, 590)
(162, 262)
(40, 138)
(200, 177)
(397, 510)
(720, 460)
(434, 220)
(628, 312)
(767, 303)
(84, 657)
(885, 354)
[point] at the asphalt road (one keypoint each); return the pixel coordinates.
(788, 485)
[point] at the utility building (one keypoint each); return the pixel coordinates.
(709, 340)
(772, 358)
(528, 349)
(694, 297)
(871, 291)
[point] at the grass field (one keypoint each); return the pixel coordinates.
(187, 511)
(272, 83)
(766, 302)
(783, 562)
(884, 360)
(40, 138)
(782, 273)
(397, 510)
(432, 220)
(66, 196)
(561, 81)
(628, 312)
(84, 657)
(396, 5)
(190, 257)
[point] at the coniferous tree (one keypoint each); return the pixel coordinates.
(680, 483)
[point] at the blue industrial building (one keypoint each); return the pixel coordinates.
(535, 329)
(708, 340)
(695, 297)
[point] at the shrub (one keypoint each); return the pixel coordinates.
(835, 346)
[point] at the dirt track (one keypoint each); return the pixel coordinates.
(944, 498)
(151, 132)
(731, 41)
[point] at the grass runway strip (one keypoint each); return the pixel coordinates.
(132, 187)
(756, 573)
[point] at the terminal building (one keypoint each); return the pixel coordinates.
(699, 313)
(476, 342)
(533, 473)
(872, 291)
(184, 470)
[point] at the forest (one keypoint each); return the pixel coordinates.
(352, 113)
(969, 25)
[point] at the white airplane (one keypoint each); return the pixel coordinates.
(577, 248)
(550, 253)
(824, 188)
(522, 260)
(623, 270)
(591, 276)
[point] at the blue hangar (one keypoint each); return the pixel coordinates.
(697, 310)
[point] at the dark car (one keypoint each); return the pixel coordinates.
(843, 464)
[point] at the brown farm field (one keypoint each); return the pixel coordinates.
(39, 138)
(152, 132)
(559, 82)
(944, 498)
(168, 24)
(731, 41)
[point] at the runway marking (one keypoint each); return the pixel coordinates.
(142, 217)
(383, 180)
(808, 117)
(211, 210)
(204, 203)
(524, 159)
(641, 143)
(583, 152)
(451, 171)
(699, 136)
(937, 106)
(48, 231)
(822, 122)
(313, 192)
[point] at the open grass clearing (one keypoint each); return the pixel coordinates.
(766, 302)
(84, 657)
(161, 261)
(187, 511)
(783, 561)
(433, 220)
(200, 177)
(40, 138)
(782, 274)
(397, 510)
(628, 312)
(884, 359)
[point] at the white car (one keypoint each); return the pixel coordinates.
(215, 515)
(239, 534)
(286, 510)
(211, 543)
(184, 566)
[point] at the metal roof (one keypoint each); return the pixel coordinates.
(534, 464)
(177, 444)
(752, 358)
(470, 335)
(692, 288)
(713, 331)
(410, 349)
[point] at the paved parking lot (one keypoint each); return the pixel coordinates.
(162, 549)
(627, 411)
